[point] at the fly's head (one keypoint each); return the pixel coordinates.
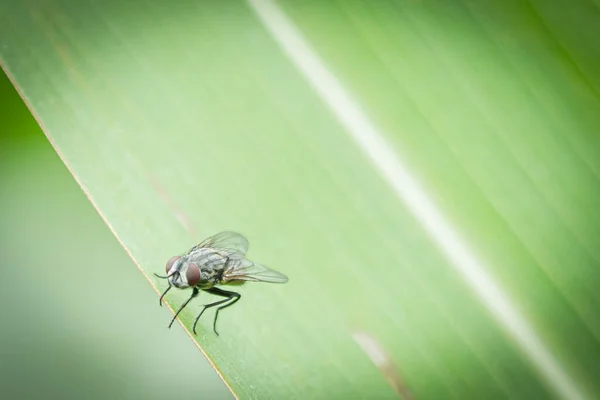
(182, 273)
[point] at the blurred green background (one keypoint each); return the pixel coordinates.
(181, 119)
(78, 318)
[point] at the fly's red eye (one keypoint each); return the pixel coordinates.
(170, 263)
(192, 274)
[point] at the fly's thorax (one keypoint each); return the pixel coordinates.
(211, 263)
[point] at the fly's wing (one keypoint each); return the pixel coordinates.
(246, 270)
(231, 243)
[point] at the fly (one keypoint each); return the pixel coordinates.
(218, 260)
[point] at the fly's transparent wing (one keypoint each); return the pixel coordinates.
(232, 243)
(246, 270)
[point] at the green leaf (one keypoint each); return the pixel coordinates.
(180, 120)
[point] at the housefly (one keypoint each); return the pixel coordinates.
(218, 260)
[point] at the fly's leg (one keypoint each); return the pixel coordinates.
(232, 297)
(216, 303)
(163, 295)
(194, 294)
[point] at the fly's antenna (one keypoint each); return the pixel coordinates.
(166, 276)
